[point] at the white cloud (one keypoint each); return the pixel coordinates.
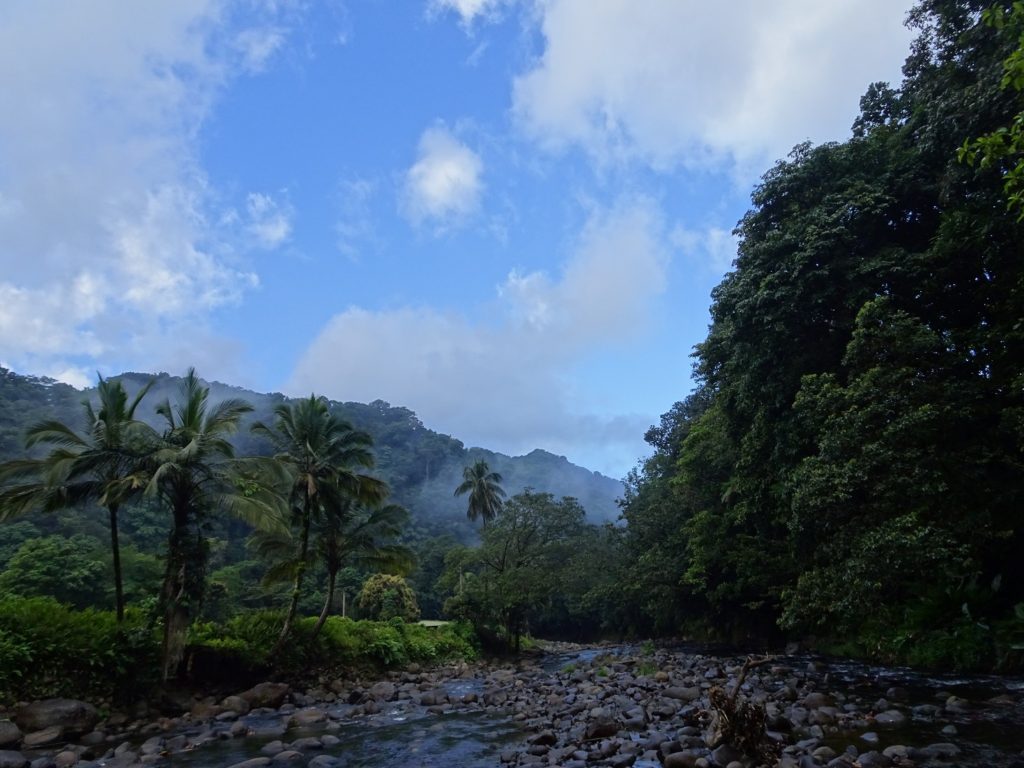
(509, 385)
(269, 221)
(714, 247)
(257, 45)
(444, 186)
(105, 211)
(670, 82)
(470, 10)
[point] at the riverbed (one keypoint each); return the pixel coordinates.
(615, 706)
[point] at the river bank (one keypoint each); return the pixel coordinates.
(617, 707)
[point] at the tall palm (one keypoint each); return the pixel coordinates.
(484, 489)
(194, 473)
(104, 465)
(323, 455)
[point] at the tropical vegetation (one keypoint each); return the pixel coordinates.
(848, 469)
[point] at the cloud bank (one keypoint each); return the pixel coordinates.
(674, 83)
(107, 221)
(508, 384)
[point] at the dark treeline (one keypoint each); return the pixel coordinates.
(850, 462)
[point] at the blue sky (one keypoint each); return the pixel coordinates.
(507, 215)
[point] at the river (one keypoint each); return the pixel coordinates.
(984, 720)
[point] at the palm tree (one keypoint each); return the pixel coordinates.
(322, 455)
(484, 489)
(103, 465)
(194, 473)
(361, 537)
(350, 535)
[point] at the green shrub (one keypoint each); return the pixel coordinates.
(249, 637)
(48, 649)
(385, 597)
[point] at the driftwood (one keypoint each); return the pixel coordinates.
(738, 722)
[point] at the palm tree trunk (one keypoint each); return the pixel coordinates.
(296, 586)
(175, 596)
(331, 577)
(115, 551)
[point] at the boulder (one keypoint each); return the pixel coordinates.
(11, 759)
(75, 717)
(255, 762)
(680, 760)
(270, 695)
(601, 728)
(382, 691)
(10, 734)
(891, 718)
(43, 737)
(236, 704)
(307, 717)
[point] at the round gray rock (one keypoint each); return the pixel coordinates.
(75, 717)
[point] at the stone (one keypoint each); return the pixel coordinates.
(43, 737)
(255, 762)
(891, 718)
(236, 704)
(10, 734)
(725, 754)
(601, 728)
(896, 752)
(287, 756)
(322, 761)
(382, 691)
(307, 717)
(817, 699)
(11, 759)
(941, 750)
(75, 717)
(873, 760)
(546, 738)
(65, 759)
(682, 694)
(272, 748)
(309, 742)
(266, 695)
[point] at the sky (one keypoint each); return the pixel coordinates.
(506, 215)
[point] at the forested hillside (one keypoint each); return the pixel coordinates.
(66, 554)
(850, 463)
(422, 467)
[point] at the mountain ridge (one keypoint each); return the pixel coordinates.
(421, 465)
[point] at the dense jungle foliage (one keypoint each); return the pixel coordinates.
(850, 462)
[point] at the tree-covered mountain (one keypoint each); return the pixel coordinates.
(421, 466)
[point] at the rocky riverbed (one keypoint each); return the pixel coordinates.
(606, 707)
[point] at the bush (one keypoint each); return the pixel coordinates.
(48, 649)
(248, 638)
(385, 597)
